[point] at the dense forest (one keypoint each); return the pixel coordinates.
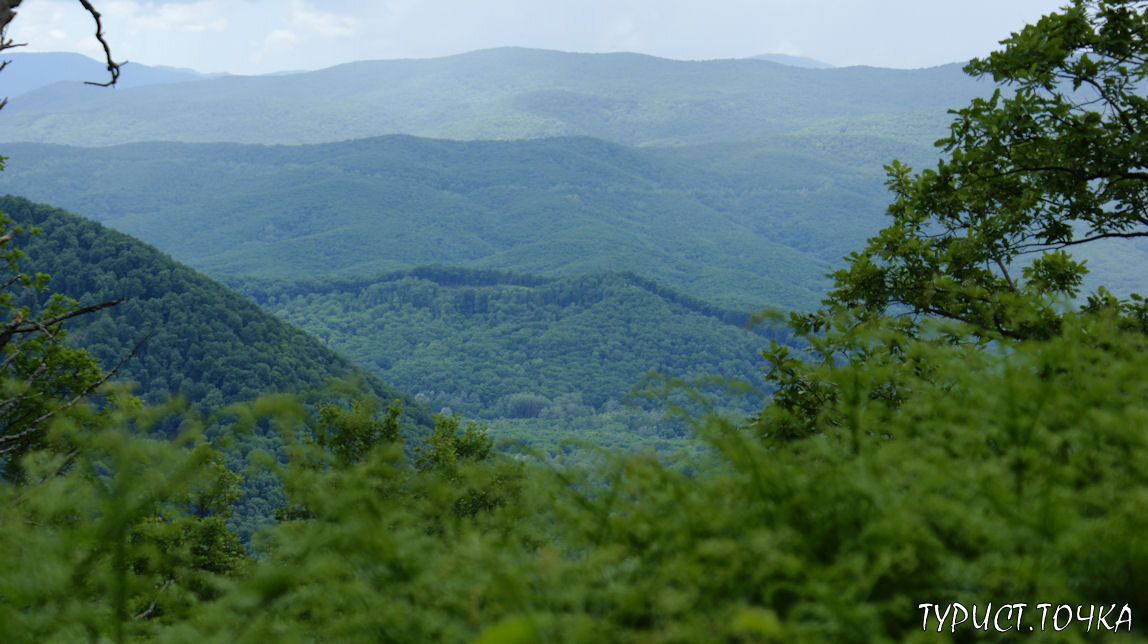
(464, 343)
(203, 341)
(956, 429)
(740, 224)
(553, 207)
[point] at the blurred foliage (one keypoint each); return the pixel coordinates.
(1011, 472)
(916, 456)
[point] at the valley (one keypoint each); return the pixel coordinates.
(525, 345)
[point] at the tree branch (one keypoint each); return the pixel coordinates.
(18, 325)
(1143, 233)
(8, 13)
(151, 607)
(56, 472)
(113, 67)
(1004, 272)
(35, 424)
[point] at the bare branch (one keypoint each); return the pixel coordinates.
(151, 607)
(1004, 272)
(15, 278)
(113, 67)
(8, 13)
(1103, 236)
(12, 356)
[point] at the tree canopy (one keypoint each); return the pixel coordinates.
(1054, 159)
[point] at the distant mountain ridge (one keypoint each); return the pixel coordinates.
(507, 93)
(793, 61)
(30, 71)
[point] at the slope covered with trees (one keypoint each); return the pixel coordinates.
(962, 456)
(500, 345)
(742, 225)
(203, 340)
(748, 224)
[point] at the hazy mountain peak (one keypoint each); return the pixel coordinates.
(30, 71)
(793, 61)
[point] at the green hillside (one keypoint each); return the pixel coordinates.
(744, 225)
(501, 345)
(748, 224)
(959, 430)
(207, 342)
(504, 93)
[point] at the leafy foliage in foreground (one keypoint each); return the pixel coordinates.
(1010, 474)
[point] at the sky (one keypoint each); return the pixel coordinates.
(262, 36)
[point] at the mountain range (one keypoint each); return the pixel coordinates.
(676, 188)
(793, 61)
(507, 93)
(739, 225)
(28, 71)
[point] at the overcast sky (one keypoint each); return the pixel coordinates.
(259, 36)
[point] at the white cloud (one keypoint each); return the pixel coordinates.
(275, 46)
(322, 24)
(195, 17)
(280, 39)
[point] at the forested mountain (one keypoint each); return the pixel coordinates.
(30, 71)
(207, 342)
(749, 224)
(744, 225)
(957, 422)
(501, 345)
(504, 93)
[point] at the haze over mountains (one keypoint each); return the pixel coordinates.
(737, 183)
(735, 230)
(793, 61)
(780, 154)
(507, 93)
(30, 71)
